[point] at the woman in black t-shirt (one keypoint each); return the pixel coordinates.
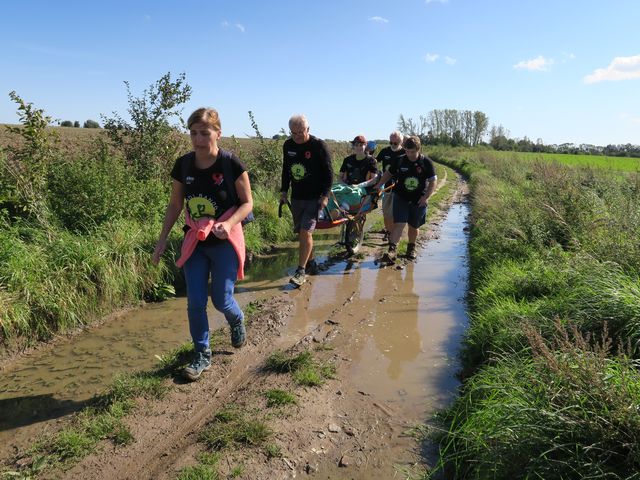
(214, 242)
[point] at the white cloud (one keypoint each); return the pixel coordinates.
(620, 68)
(378, 19)
(239, 26)
(450, 61)
(431, 57)
(539, 63)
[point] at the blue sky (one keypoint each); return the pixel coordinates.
(559, 70)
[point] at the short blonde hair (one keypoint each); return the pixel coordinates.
(205, 115)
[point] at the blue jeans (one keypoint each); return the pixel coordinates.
(219, 262)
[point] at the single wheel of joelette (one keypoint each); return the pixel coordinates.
(354, 234)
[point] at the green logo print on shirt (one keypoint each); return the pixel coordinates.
(200, 207)
(411, 183)
(298, 172)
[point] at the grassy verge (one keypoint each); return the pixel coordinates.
(550, 358)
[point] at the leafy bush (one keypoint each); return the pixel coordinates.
(150, 143)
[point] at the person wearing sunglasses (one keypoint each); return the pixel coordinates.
(387, 157)
(416, 179)
(307, 169)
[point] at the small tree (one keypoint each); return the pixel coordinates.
(268, 157)
(28, 163)
(91, 124)
(150, 142)
(66, 123)
(76, 124)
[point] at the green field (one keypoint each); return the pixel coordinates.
(624, 164)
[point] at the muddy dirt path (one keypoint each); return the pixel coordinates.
(393, 336)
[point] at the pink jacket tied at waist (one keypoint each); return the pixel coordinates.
(200, 229)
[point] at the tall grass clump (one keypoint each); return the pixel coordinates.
(570, 411)
(554, 265)
(58, 280)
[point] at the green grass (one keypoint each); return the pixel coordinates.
(565, 413)
(278, 398)
(280, 362)
(551, 352)
(304, 369)
(198, 472)
(231, 427)
(595, 161)
(273, 451)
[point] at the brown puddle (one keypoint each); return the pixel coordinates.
(60, 380)
(404, 331)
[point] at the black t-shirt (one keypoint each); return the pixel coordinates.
(411, 177)
(205, 191)
(307, 169)
(357, 170)
(388, 157)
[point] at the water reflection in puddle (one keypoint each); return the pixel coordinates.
(57, 381)
(404, 326)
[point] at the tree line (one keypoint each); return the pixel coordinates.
(76, 124)
(464, 128)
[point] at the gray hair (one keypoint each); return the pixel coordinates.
(396, 133)
(298, 121)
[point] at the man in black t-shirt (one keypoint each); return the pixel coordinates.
(389, 156)
(307, 169)
(415, 178)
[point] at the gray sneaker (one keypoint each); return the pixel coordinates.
(201, 362)
(411, 251)
(298, 278)
(238, 334)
